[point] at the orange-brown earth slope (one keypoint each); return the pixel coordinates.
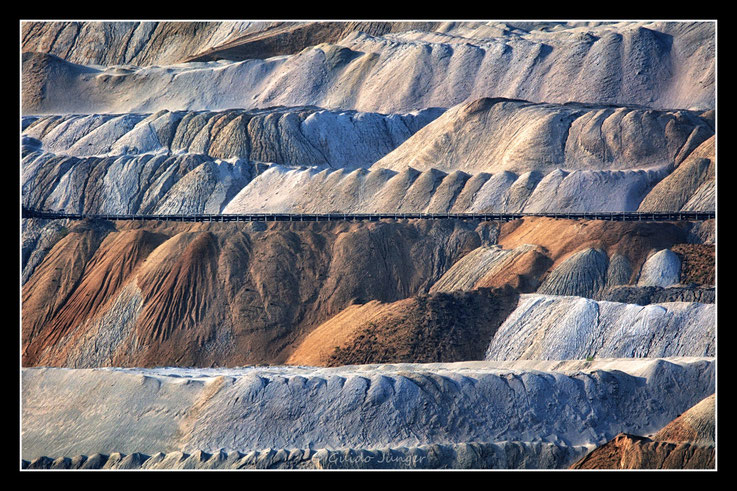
(323, 293)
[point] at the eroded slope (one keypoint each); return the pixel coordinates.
(220, 293)
(369, 407)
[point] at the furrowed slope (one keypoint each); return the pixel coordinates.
(543, 158)
(561, 238)
(690, 186)
(111, 266)
(633, 270)
(658, 65)
(521, 136)
(131, 43)
(491, 266)
(498, 155)
(191, 162)
(224, 293)
(149, 43)
(582, 257)
(91, 411)
(295, 135)
(547, 327)
(293, 37)
(220, 293)
(317, 190)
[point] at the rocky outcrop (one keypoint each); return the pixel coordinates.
(563, 328)
(69, 412)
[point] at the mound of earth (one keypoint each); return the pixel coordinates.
(168, 293)
(561, 238)
(610, 163)
(292, 37)
(347, 344)
(142, 293)
(662, 268)
(318, 190)
(690, 186)
(443, 327)
(121, 185)
(290, 136)
(548, 327)
(492, 266)
(685, 443)
(520, 136)
(131, 43)
(156, 43)
(43, 75)
(627, 63)
(69, 412)
(582, 274)
(697, 263)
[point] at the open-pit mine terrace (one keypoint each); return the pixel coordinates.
(403, 245)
